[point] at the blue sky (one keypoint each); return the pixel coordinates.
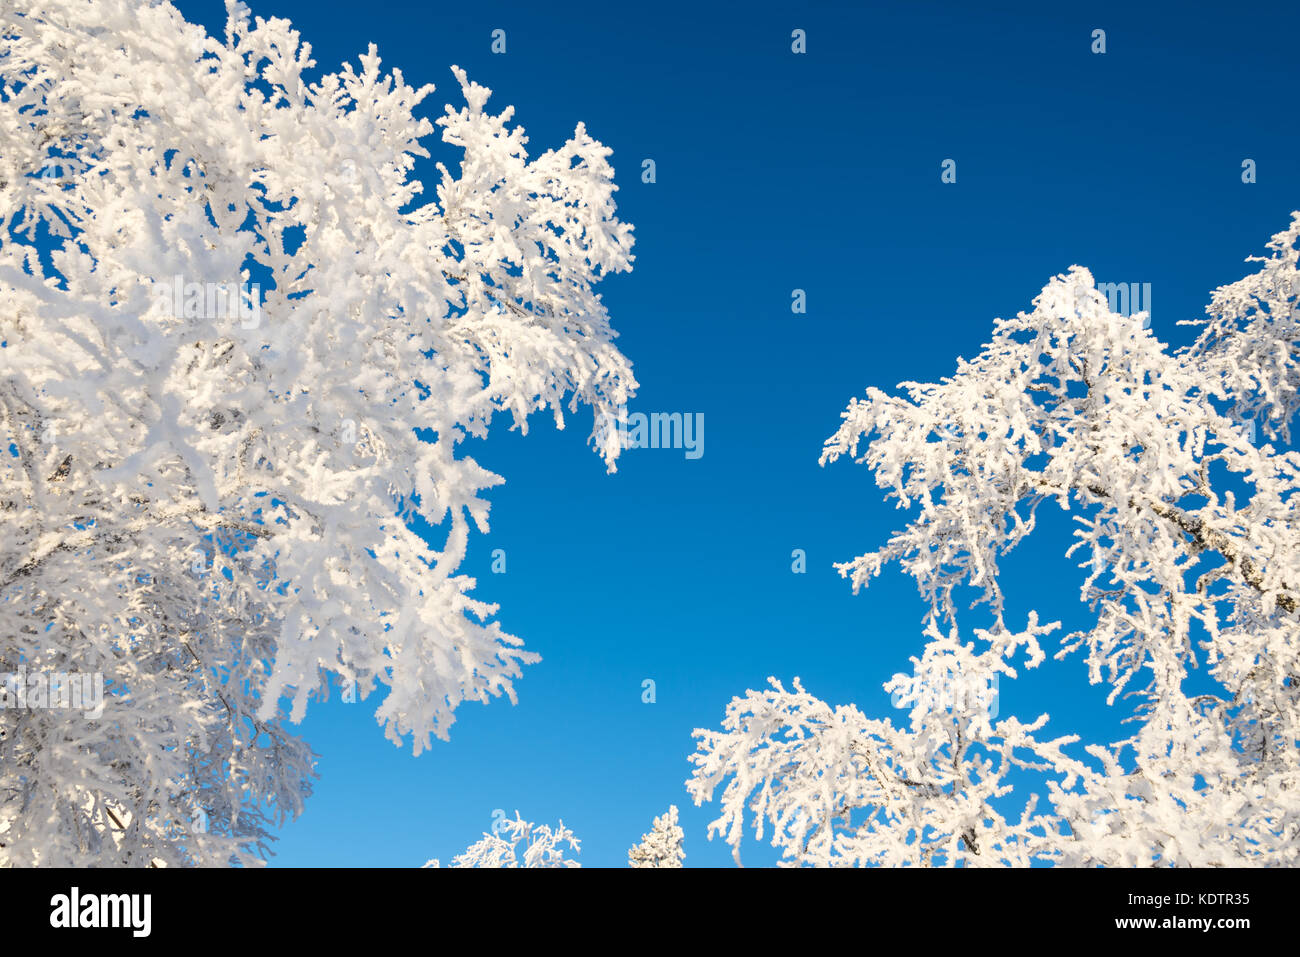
(774, 172)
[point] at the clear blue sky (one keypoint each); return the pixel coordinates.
(776, 172)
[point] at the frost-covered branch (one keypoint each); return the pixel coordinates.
(241, 352)
(542, 847)
(662, 846)
(1191, 552)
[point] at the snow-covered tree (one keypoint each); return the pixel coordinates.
(662, 846)
(1190, 546)
(542, 846)
(239, 357)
